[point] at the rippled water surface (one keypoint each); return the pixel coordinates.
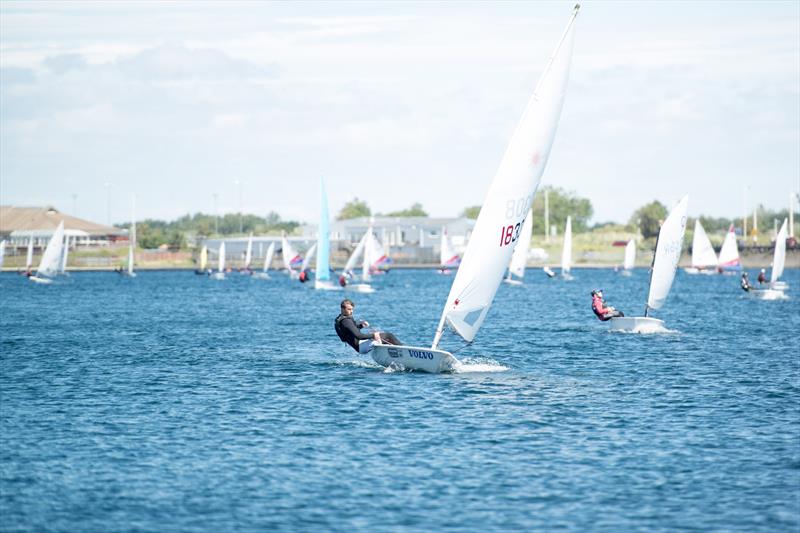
(171, 402)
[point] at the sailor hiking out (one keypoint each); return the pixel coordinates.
(600, 310)
(349, 331)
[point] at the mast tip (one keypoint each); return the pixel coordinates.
(577, 7)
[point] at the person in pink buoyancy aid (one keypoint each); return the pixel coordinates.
(600, 310)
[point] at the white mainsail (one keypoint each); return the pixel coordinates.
(703, 254)
(366, 259)
(566, 251)
(290, 257)
(508, 200)
(51, 258)
(351, 261)
(29, 257)
(448, 258)
(667, 254)
(779, 256)
(630, 255)
(203, 257)
(248, 255)
(2, 252)
(268, 257)
(64, 255)
(729, 254)
(520, 257)
(309, 255)
(221, 260)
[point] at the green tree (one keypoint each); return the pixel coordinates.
(471, 212)
(415, 210)
(561, 204)
(649, 218)
(353, 209)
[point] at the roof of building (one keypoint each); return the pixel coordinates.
(31, 219)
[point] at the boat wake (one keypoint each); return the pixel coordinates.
(648, 330)
(479, 364)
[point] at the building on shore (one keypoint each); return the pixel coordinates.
(20, 224)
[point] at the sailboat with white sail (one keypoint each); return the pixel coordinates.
(62, 270)
(322, 278)
(520, 257)
(566, 251)
(776, 287)
(729, 262)
(499, 224)
(630, 258)
(2, 253)
(248, 256)
(448, 258)
(267, 262)
(307, 261)
(203, 269)
(291, 259)
(704, 258)
(348, 273)
(51, 258)
(665, 262)
(220, 273)
(29, 256)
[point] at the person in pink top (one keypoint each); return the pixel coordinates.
(599, 308)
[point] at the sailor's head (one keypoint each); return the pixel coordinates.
(763, 270)
(347, 307)
(597, 292)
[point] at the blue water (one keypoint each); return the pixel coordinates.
(171, 402)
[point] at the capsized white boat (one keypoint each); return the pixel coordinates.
(665, 262)
(630, 258)
(51, 258)
(520, 256)
(267, 262)
(775, 290)
(729, 254)
(704, 258)
(503, 211)
(566, 251)
(322, 279)
(220, 273)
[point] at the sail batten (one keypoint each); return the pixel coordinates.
(509, 198)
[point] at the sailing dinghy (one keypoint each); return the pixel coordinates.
(359, 252)
(520, 257)
(220, 273)
(448, 258)
(248, 256)
(729, 262)
(291, 259)
(267, 262)
(630, 258)
(776, 288)
(51, 258)
(566, 252)
(704, 258)
(500, 221)
(665, 262)
(322, 279)
(203, 270)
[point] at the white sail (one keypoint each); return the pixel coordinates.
(268, 257)
(291, 259)
(248, 255)
(729, 254)
(520, 257)
(51, 258)
(703, 254)
(566, 251)
(667, 254)
(351, 261)
(221, 260)
(630, 255)
(448, 258)
(203, 257)
(130, 259)
(366, 260)
(29, 257)
(64, 255)
(2, 252)
(309, 255)
(779, 256)
(377, 253)
(508, 199)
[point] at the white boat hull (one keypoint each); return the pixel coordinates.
(43, 281)
(359, 287)
(767, 294)
(636, 324)
(414, 358)
(326, 286)
(779, 286)
(512, 281)
(705, 271)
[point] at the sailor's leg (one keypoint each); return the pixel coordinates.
(389, 338)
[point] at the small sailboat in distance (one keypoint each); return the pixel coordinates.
(500, 221)
(248, 256)
(29, 256)
(2, 253)
(519, 258)
(630, 258)
(665, 262)
(704, 258)
(51, 258)
(220, 273)
(203, 269)
(322, 279)
(267, 262)
(566, 251)
(348, 273)
(729, 262)
(775, 290)
(291, 259)
(448, 258)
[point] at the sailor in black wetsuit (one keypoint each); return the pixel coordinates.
(350, 331)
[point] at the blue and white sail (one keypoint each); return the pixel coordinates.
(323, 237)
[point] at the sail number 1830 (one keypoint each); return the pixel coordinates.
(510, 233)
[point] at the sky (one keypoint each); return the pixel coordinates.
(195, 106)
